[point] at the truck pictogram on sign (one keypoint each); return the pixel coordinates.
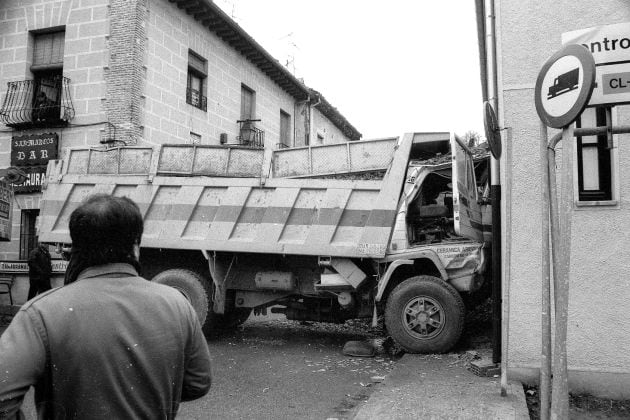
(564, 83)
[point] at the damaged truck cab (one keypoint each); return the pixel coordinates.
(390, 227)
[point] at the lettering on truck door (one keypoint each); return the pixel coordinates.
(466, 207)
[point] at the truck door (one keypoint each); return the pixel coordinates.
(466, 207)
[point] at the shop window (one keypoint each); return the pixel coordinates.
(28, 235)
(196, 85)
(594, 160)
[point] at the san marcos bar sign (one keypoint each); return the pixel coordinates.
(31, 154)
(34, 149)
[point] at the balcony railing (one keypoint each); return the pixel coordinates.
(41, 102)
(249, 135)
(196, 99)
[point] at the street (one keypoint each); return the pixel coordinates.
(276, 369)
(271, 368)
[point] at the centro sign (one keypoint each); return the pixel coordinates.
(610, 46)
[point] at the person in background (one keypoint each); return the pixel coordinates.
(39, 270)
(108, 344)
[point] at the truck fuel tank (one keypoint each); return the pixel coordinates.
(275, 280)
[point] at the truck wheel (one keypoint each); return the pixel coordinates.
(425, 315)
(189, 284)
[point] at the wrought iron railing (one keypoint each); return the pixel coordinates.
(40, 102)
(196, 99)
(249, 135)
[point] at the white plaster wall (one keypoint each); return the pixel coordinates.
(168, 118)
(323, 126)
(599, 328)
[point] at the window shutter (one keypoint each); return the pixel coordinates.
(48, 48)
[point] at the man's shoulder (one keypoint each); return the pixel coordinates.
(47, 295)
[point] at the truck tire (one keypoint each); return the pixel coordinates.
(191, 285)
(424, 314)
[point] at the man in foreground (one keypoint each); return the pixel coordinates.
(108, 344)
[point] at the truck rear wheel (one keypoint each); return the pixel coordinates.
(424, 314)
(191, 285)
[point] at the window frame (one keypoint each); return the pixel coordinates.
(608, 193)
(248, 114)
(200, 73)
(285, 132)
(28, 232)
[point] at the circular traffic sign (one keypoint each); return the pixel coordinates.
(564, 86)
(493, 133)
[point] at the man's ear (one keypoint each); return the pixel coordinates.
(136, 251)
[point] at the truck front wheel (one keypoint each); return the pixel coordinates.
(191, 285)
(424, 314)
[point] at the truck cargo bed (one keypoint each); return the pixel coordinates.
(187, 204)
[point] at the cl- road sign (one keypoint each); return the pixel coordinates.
(564, 86)
(610, 46)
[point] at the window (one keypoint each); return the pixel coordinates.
(594, 162)
(285, 129)
(248, 103)
(195, 138)
(47, 69)
(28, 238)
(196, 84)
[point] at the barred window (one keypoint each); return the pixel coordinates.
(196, 85)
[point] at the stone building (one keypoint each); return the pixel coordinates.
(526, 34)
(105, 73)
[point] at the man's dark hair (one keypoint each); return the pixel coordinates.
(104, 230)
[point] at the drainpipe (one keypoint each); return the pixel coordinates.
(488, 68)
(310, 110)
(495, 186)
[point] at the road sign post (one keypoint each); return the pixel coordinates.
(563, 89)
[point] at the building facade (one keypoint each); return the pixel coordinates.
(527, 33)
(106, 73)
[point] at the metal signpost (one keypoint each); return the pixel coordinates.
(564, 87)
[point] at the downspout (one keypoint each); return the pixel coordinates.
(500, 296)
(310, 118)
(488, 67)
(296, 109)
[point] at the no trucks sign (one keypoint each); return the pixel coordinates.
(564, 86)
(610, 46)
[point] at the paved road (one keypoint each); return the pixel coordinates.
(278, 369)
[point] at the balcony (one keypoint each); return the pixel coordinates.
(196, 99)
(43, 102)
(249, 135)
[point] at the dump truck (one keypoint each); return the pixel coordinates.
(389, 229)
